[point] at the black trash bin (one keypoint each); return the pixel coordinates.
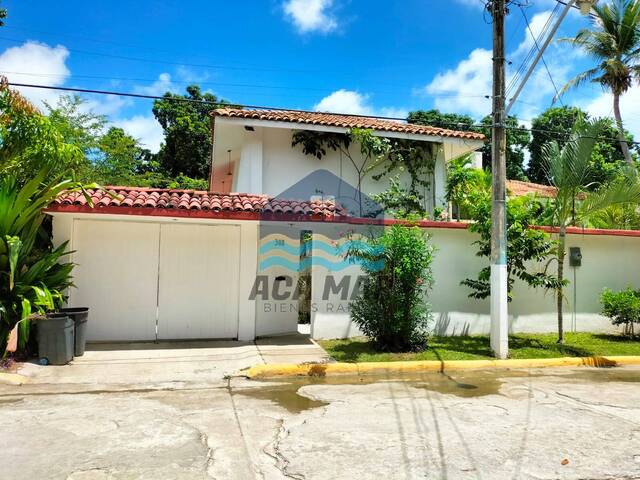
(55, 339)
(79, 315)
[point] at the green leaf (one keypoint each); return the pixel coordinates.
(15, 245)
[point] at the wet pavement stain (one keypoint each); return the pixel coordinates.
(469, 384)
(463, 387)
(285, 396)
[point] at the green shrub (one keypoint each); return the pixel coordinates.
(528, 249)
(391, 308)
(623, 307)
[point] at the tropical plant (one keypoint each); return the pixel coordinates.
(569, 170)
(28, 140)
(517, 136)
(391, 309)
(436, 118)
(518, 139)
(623, 307)
(463, 180)
(384, 155)
(556, 123)
(78, 124)
(526, 245)
(186, 122)
(614, 42)
(621, 217)
(32, 277)
(400, 202)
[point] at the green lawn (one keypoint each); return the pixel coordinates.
(477, 347)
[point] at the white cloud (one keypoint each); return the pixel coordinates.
(162, 85)
(344, 101)
(145, 128)
(189, 75)
(472, 3)
(392, 112)
(311, 15)
(463, 88)
(355, 103)
(536, 24)
(106, 104)
(602, 106)
(37, 63)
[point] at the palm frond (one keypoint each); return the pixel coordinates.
(577, 81)
(625, 191)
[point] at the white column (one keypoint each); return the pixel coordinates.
(476, 160)
(249, 173)
(440, 178)
(499, 312)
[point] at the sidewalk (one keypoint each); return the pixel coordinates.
(205, 363)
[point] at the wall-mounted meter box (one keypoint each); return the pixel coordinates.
(575, 257)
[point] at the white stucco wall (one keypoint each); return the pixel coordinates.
(608, 261)
(284, 165)
(268, 164)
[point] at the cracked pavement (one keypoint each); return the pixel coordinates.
(581, 423)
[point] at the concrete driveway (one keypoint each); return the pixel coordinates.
(554, 423)
(179, 363)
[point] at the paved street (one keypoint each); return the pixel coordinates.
(557, 423)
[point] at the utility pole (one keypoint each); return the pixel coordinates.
(499, 311)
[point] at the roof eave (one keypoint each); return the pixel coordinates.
(256, 122)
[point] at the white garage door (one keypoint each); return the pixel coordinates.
(148, 281)
(117, 278)
(199, 272)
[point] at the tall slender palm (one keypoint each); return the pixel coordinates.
(569, 170)
(614, 42)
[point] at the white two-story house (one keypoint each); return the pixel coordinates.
(265, 243)
(161, 264)
(253, 151)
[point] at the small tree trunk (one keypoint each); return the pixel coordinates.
(560, 289)
(621, 137)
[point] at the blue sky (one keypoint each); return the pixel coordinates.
(355, 56)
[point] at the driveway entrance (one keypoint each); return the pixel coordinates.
(149, 363)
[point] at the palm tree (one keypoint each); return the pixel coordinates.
(614, 42)
(569, 169)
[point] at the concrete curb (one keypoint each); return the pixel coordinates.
(12, 379)
(381, 368)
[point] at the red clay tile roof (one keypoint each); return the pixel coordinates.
(158, 198)
(517, 188)
(344, 121)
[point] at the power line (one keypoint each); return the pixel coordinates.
(530, 54)
(170, 62)
(535, 41)
(593, 16)
(263, 107)
(438, 93)
(247, 68)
